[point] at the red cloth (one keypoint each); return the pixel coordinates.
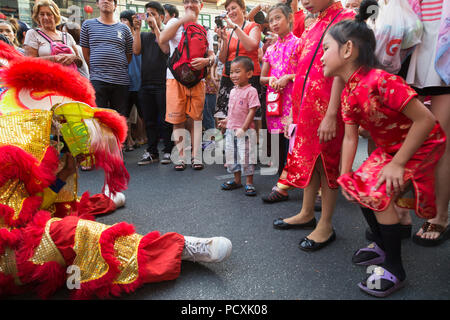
(63, 235)
(299, 23)
(159, 256)
(375, 99)
(95, 205)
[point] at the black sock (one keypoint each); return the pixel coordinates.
(374, 226)
(391, 235)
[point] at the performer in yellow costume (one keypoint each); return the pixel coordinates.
(48, 124)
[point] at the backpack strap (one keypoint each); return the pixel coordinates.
(239, 41)
(43, 35)
(186, 41)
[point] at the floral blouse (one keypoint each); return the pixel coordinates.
(282, 57)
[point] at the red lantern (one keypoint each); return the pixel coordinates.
(88, 9)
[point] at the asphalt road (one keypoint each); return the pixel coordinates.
(265, 263)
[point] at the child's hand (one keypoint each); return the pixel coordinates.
(222, 123)
(363, 132)
(327, 129)
(282, 82)
(348, 196)
(272, 81)
(392, 174)
(240, 133)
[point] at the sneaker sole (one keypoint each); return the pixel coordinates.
(146, 163)
(227, 254)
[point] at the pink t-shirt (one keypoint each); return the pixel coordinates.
(241, 100)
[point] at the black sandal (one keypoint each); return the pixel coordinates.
(197, 165)
(230, 185)
(444, 234)
(275, 196)
(180, 166)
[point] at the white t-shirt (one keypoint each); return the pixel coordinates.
(173, 43)
(38, 42)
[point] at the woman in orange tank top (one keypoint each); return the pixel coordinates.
(242, 39)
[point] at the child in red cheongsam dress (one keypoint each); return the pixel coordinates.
(409, 144)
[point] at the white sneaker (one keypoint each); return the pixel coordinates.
(166, 159)
(214, 249)
(118, 198)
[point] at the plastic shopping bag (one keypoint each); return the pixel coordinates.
(413, 26)
(396, 27)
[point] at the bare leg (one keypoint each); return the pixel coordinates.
(309, 197)
(238, 177)
(195, 135)
(324, 228)
(440, 108)
(179, 142)
(403, 214)
(389, 216)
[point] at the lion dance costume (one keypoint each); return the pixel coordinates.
(43, 231)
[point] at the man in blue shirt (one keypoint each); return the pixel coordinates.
(107, 48)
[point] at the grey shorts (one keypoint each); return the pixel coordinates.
(240, 153)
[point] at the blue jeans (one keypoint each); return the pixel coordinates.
(208, 111)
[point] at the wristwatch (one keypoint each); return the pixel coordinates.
(235, 27)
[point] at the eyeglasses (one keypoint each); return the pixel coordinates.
(191, 1)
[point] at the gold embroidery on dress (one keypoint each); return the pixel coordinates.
(29, 131)
(12, 194)
(8, 265)
(88, 252)
(70, 190)
(126, 251)
(47, 251)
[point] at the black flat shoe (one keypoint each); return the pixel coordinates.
(280, 224)
(310, 245)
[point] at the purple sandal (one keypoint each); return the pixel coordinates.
(378, 274)
(371, 248)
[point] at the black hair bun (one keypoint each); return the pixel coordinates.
(367, 9)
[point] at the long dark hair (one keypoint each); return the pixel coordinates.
(359, 33)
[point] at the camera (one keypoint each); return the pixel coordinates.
(219, 20)
(260, 18)
(141, 16)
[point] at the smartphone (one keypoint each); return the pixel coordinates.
(141, 16)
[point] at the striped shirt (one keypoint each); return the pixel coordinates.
(431, 10)
(108, 46)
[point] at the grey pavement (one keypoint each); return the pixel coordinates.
(265, 263)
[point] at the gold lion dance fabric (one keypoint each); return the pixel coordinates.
(48, 112)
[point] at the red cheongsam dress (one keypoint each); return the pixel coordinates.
(375, 100)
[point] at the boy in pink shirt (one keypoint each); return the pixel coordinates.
(242, 106)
